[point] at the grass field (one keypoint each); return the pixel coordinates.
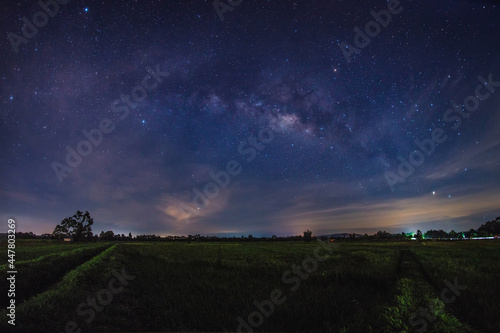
(359, 287)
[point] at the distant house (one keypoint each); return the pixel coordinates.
(69, 239)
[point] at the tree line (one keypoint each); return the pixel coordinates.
(79, 228)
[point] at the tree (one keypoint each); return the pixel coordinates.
(108, 235)
(436, 234)
(77, 226)
(307, 235)
(383, 235)
(418, 236)
(491, 227)
(471, 233)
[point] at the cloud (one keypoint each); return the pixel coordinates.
(365, 213)
(191, 207)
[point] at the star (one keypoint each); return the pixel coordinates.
(237, 108)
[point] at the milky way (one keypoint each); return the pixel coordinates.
(335, 116)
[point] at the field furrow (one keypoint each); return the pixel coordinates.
(358, 287)
(416, 306)
(36, 275)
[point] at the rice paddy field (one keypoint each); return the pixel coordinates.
(256, 286)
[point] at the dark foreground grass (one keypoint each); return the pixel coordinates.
(50, 310)
(476, 265)
(183, 288)
(29, 249)
(361, 287)
(415, 306)
(37, 274)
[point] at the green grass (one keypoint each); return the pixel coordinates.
(37, 274)
(476, 265)
(28, 249)
(361, 287)
(55, 305)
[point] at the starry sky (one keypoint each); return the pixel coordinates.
(264, 117)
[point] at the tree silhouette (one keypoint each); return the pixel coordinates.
(108, 235)
(418, 236)
(307, 235)
(77, 226)
(491, 227)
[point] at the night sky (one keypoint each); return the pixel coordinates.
(302, 125)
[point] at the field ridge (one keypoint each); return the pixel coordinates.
(48, 270)
(416, 306)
